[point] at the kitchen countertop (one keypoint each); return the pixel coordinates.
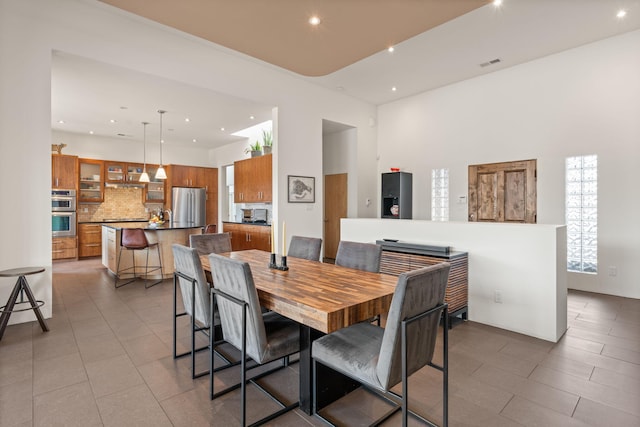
(111, 220)
(146, 226)
(247, 223)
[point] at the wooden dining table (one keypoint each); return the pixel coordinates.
(322, 298)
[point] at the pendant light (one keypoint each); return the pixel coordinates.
(144, 176)
(160, 173)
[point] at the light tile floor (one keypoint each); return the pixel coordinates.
(107, 361)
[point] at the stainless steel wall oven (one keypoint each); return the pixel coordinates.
(63, 213)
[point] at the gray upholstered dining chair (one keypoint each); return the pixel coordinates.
(262, 337)
(381, 358)
(305, 247)
(206, 244)
(360, 256)
(195, 290)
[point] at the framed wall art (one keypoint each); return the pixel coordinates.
(301, 189)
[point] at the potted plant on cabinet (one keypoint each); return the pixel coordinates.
(267, 141)
(254, 149)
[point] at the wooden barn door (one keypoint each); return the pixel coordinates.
(503, 192)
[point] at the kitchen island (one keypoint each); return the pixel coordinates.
(165, 235)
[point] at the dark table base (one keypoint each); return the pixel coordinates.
(330, 385)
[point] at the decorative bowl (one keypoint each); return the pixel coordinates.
(395, 169)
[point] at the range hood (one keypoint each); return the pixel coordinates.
(123, 185)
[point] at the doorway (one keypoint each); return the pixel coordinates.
(339, 168)
(335, 208)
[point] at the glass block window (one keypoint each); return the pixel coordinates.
(440, 194)
(582, 213)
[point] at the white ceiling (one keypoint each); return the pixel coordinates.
(516, 32)
(87, 94)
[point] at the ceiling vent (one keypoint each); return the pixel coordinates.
(492, 62)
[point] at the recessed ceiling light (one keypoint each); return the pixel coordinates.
(314, 20)
(222, 129)
(390, 49)
(61, 122)
(187, 119)
(394, 89)
(251, 117)
(497, 3)
(162, 141)
(90, 132)
(195, 140)
(112, 121)
(621, 13)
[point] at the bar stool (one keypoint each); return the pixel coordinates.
(134, 239)
(21, 287)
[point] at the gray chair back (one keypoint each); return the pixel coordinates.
(305, 247)
(417, 291)
(207, 244)
(234, 278)
(360, 256)
(187, 261)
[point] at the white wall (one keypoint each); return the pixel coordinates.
(129, 150)
(582, 101)
(32, 29)
(340, 156)
(524, 262)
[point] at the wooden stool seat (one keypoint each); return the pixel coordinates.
(21, 287)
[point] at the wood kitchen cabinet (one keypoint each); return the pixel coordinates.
(155, 189)
(63, 248)
(121, 172)
(211, 185)
(252, 180)
(64, 172)
(91, 180)
(115, 172)
(196, 177)
(186, 176)
(89, 240)
(247, 236)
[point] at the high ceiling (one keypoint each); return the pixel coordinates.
(437, 42)
(278, 31)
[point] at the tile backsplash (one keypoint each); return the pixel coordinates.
(118, 203)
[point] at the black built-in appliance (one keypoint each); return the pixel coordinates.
(397, 191)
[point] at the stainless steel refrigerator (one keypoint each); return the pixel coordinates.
(188, 207)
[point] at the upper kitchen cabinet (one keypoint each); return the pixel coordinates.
(134, 170)
(91, 180)
(64, 171)
(186, 176)
(154, 191)
(120, 172)
(252, 180)
(115, 172)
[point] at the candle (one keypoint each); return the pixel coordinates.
(272, 242)
(284, 239)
